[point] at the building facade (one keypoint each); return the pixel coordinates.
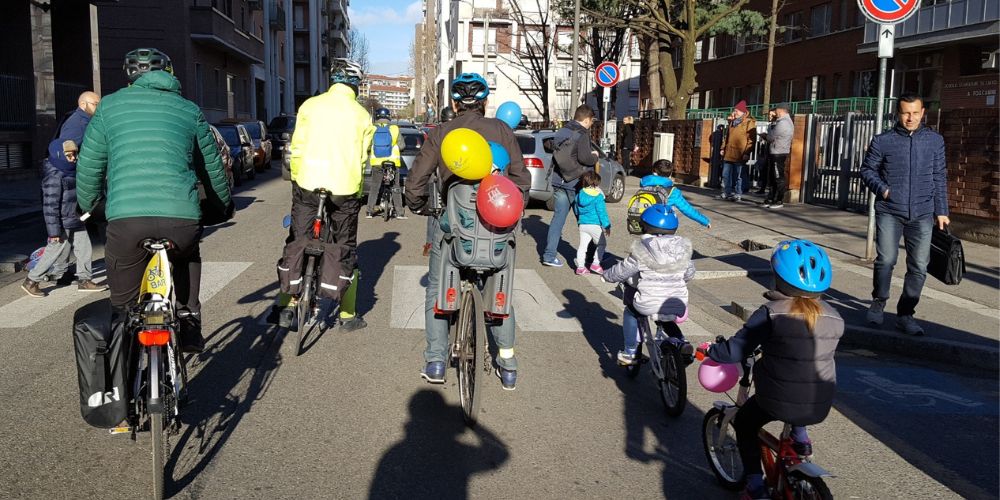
(392, 92)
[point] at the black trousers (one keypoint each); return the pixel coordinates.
(627, 159)
(375, 185)
(776, 180)
(749, 419)
(126, 260)
(342, 213)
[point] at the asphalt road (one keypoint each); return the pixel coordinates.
(351, 418)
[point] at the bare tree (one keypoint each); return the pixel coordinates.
(358, 51)
(776, 6)
(530, 53)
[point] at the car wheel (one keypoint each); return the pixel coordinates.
(617, 189)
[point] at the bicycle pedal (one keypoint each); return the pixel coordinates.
(114, 431)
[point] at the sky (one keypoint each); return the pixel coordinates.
(388, 25)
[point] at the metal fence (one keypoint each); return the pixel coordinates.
(17, 101)
(825, 107)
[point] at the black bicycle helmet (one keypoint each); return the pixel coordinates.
(447, 114)
(141, 61)
(469, 88)
(383, 114)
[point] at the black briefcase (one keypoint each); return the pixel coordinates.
(947, 262)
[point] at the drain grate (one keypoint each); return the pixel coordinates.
(753, 246)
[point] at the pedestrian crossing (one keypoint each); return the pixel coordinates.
(26, 311)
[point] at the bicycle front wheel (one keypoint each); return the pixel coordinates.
(809, 488)
(160, 451)
(472, 353)
(673, 384)
(720, 449)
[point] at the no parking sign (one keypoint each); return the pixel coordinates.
(888, 11)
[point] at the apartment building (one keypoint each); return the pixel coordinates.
(393, 92)
(488, 37)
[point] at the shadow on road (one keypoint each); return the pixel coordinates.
(373, 258)
(675, 441)
(436, 458)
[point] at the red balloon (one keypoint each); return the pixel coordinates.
(499, 201)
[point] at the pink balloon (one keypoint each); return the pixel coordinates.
(717, 377)
(499, 201)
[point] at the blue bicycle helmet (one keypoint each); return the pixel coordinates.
(659, 219)
(383, 114)
(469, 88)
(802, 268)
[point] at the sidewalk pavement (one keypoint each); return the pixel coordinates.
(962, 322)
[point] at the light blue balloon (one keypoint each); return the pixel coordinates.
(509, 113)
(500, 156)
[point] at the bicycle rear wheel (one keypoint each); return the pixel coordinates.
(809, 488)
(305, 309)
(721, 451)
(160, 451)
(673, 384)
(472, 349)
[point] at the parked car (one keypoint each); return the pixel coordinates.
(412, 141)
(241, 147)
(280, 125)
(538, 161)
(261, 144)
(227, 158)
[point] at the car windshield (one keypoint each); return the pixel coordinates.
(527, 144)
(230, 135)
(412, 142)
(282, 123)
(253, 128)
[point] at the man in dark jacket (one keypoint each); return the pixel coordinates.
(146, 149)
(469, 93)
(905, 168)
(628, 143)
(574, 138)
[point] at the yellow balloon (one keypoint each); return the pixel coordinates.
(467, 154)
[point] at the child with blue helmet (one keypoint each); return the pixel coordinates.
(795, 377)
(660, 177)
(656, 273)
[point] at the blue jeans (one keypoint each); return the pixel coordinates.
(916, 236)
(437, 325)
(564, 200)
(630, 323)
(730, 169)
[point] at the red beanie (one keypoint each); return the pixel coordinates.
(741, 107)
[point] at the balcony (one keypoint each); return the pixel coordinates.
(277, 18)
(211, 28)
(962, 18)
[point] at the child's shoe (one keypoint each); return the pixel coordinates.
(596, 268)
(580, 271)
(626, 358)
(756, 489)
(804, 449)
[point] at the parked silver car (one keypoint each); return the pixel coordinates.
(539, 164)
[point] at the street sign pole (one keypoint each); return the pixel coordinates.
(885, 48)
(604, 130)
(607, 75)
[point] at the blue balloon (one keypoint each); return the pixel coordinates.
(500, 157)
(509, 113)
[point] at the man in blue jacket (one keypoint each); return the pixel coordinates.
(905, 168)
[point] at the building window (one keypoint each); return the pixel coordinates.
(695, 101)
(788, 90)
(819, 20)
(246, 95)
(697, 51)
(865, 83)
(225, 6)
(477, 41)
(838, 83)
(219, 98)
(753, 95)
(300, 79)
(199, 86)
(817, 88)
(793, 27)
(711, 49)
(849, 15)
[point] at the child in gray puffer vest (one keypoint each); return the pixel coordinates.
(655, 273)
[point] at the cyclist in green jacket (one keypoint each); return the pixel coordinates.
(144, 152)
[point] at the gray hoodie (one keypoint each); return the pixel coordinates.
(658, 267)
(779, 135)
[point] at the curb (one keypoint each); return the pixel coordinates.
(12, 263)
(930, 349)
(735, 273)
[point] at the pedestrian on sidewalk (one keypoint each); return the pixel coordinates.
(66, 231)
(572, 157)
(905, 168)
(592, 216)
(763, 162)
(628, 143)
(740, 139)
(779, 145)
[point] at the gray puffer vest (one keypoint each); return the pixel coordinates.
(796, 377)
(658, 267)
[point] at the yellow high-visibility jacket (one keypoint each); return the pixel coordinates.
(395, 157)
(331, 142)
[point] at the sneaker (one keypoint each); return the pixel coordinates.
(402, 217)
(355, 323)
(722, 197)
(191, 339)
(286, 316)
(369, 214)
(767, 204)
(908, 325)
(736, 198)
(90, 286)
(552, 263)
(803, 449)
(626, 358)
(776, 205)
(596, 268)
(875, 315)
(508, 378)
(32, 288)
(580, 271)
(427, 249)
(434, 372)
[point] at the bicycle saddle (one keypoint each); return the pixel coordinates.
(157, 244)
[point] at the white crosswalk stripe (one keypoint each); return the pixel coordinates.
(538, 309)
(27, 311)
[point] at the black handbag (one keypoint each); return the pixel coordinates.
(947, 262)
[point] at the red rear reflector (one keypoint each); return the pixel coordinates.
(450, 297)
(533, 163)
(317, 224)
(501, 300)
(154, 337)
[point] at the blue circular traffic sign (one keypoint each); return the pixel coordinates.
(888, 11)
(607, 74)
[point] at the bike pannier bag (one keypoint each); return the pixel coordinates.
(333, 278)
(100, 365)
(947, 262)
(290, 266)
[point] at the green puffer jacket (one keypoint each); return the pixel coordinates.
(146, 148)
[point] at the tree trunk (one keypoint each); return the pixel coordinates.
(668, 76)
(772, 30)
(650, 51)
